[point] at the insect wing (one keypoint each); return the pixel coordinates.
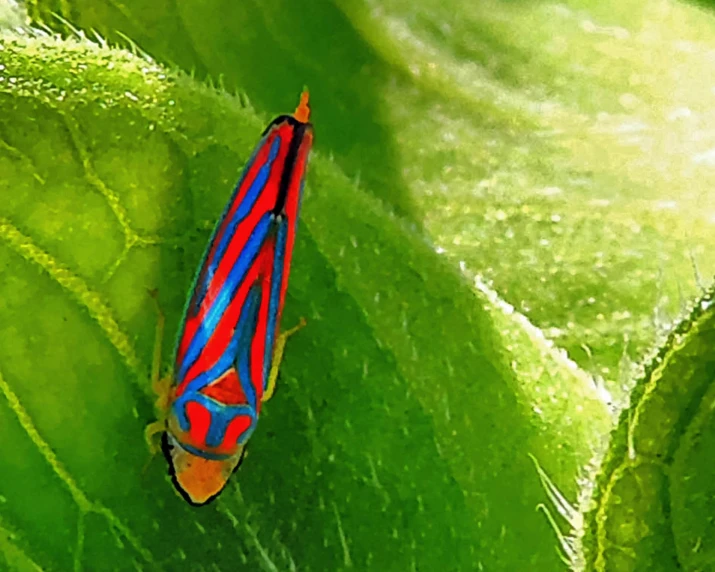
(230, 322)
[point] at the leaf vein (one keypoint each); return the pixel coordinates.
(79, 497)
(91, 300)
(120, 212)
(12, 552)
(18, 155)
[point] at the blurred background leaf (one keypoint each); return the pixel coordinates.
(400, 434)
(654, 500)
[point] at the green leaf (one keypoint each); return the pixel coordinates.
(653, 504)
(406, 411)
(267, 50)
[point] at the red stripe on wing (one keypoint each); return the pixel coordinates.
(265, 202)
(259, 159)
(291, 209)
(224, 330)
(290, 212)
(227, 389)
(219, 341)
(199, 421)
(258, 344)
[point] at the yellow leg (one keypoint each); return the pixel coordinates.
(152, 432)
(152, 435)
(278, 357)
(161, 386)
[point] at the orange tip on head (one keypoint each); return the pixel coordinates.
(302, 112)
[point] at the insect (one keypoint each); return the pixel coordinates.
(229, 347)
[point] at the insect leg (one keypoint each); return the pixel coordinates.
(278, 350)
(160, 386)
(150, 434)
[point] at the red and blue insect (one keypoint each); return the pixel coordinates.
(229, 347)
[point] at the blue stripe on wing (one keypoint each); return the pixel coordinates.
(227, 293)
(247, 327)
(274, 301)
(249, 200)
(246, 205)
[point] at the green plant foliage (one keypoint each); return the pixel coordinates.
(400, 434)
(561, 150)
(653, 504)
(269, 50)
